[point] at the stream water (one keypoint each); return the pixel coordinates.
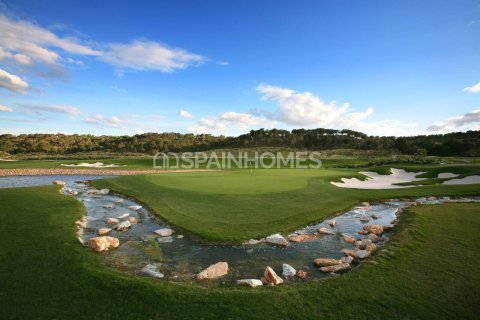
(180, 257)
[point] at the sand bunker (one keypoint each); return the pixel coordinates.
(94, 165)
(379, 181)
(466, 180)
(444, 175)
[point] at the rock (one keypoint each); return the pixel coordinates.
(102, 191)
(164, 232)
(336, 268)
(332, 222)
(214, 271)
(302, 237)
(324, 230)
(119, 200)
(325, 262)
(288, 270)
(363, 232)
(373, 237)
(362, 254)
(103, 231)
(251, 242)
(366, 204)
(132, 220)
(364, 218)
(388, 226)
(374, 216)
(371, 248)
(122, 226)
(346, 259)
(135, 207)
(302, 274)
(348, 252)
(103, 243)
(250, 282)
(112, 221)
(165, 240)
(277, 239)
(108, 206)
(348, 239)
(152, 271)
(123, 215)
(82, 222)
(376, 229)
(58, 182)
(272, 277)
(180, 236)
(362, 244)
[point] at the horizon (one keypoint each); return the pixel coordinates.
(380, 68)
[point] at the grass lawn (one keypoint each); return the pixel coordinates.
(429, 270)
(232, 206)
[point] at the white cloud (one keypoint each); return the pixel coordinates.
(465, 121)
(25, 44)
(149, 55)
(231, 123)
(34, 42)
(40, 110)
(304, 109)
(185, 114)
(12, 82)
(5, 109)
(123, 122)
(473, 89)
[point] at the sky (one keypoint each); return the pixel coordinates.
(226, 67)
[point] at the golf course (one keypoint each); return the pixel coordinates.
(426, 269)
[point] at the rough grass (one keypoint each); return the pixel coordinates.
(429, 270)
(232, 206)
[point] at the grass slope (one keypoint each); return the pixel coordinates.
(428, 271)
(232, 206)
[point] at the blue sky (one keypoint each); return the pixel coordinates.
(226, 67)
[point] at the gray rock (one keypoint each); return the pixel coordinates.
(347, 259)
(277, 239)
(164, 232)
(250, 282)
(152, 271)
(288, 270)
(122, 226)
(362, 254)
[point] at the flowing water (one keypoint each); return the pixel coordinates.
(180, 256)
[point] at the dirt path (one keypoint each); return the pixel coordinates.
(110, 172)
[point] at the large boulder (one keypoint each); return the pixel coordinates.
(250, 282)
(348, 239)
(103, 243)
(122, 226)
(214, 271)
(277, 239)
(271, 277)
(325, 262)
(373, 237)
(376, 229)
(336, 268)
(164, 232)
(362, 254)
(103, 231)
(324, 230)
(302, 274)
(288, 270)
(302, 237)
(112, 221)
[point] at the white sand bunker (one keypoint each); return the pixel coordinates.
(379, 181)
(94, 165)
(466, 180)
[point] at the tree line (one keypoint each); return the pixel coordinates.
(451, 144)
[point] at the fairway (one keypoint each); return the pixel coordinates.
(420, 274)
(233, 206)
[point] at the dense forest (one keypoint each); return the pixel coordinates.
(451, 144)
